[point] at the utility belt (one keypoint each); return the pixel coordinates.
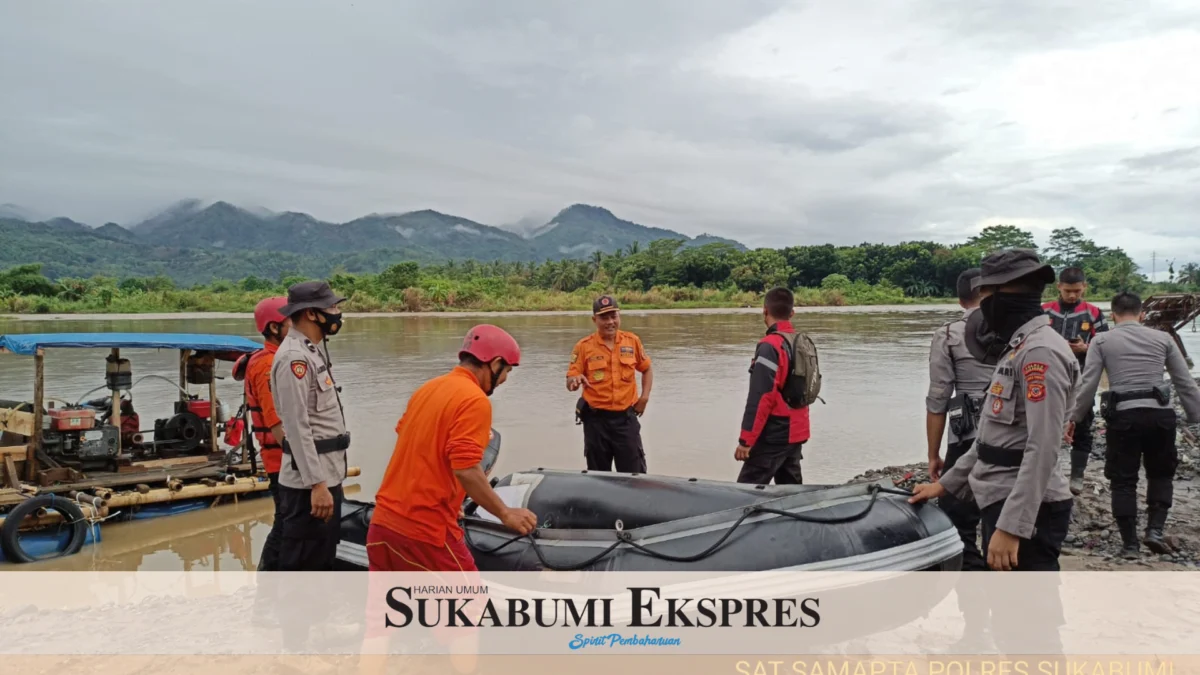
(324, 446)
(583, 410)
(1110, 400)
(964, 414)
(1007, 457)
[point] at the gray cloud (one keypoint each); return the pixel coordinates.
(855, 121)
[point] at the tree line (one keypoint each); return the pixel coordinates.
(917, 269)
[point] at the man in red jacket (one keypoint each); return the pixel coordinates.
(1078, 322)
(772, 431)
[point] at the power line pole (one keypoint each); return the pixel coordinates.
(1154, 266)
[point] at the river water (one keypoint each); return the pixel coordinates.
(874, 362)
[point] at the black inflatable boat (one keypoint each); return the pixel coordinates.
(602, 521)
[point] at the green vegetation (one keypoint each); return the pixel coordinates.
(666, 273)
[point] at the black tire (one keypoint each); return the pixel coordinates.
(10, 533)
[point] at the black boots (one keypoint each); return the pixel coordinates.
(1156, 519)
(1159, 492)
(1129, 543)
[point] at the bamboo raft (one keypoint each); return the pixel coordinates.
(83, 466)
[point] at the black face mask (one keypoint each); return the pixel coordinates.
(983, 342)
(329, 324)
(1004, 313)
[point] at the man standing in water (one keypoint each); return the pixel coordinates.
(1078, 321)
(604, 364)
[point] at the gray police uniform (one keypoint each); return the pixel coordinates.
(1013, 470)
(1138, 413)
(958, 383)
(314, 447)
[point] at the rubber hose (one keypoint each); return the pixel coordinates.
(10, 540)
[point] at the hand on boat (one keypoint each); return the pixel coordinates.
(926, 491)
(522, 521)
(322, 502)
(1002, 550)
(742, 453)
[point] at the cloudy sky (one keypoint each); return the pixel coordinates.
(770, 121)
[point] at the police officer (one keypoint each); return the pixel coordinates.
(315, 437)
(1012, 470)
(1078, 321)
(1140, 419)
(957, 385)
(604, 365)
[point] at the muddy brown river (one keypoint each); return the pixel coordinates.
(874, 362)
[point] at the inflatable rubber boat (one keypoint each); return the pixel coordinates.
(602, 521)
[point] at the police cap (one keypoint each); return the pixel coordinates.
(309, 295)
(1005, 266)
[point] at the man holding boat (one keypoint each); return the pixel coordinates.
(436, 464)
(1012, 470)
(315, 438)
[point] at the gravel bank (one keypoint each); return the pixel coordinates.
(1093, 542)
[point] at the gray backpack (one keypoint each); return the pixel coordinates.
(803, 385)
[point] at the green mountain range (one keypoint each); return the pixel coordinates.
(192, 242)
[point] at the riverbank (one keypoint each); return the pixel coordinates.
(418, 301)
(1093, 543)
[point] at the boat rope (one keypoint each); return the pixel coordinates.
(627, 538)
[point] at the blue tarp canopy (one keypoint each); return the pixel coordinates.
(29, 343)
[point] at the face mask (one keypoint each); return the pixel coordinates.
(330, 324)
(1006, 312)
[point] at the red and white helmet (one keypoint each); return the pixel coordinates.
(486, 342)
(267, 311)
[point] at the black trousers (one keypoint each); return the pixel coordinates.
(1040, 552)
(1141, 437)
(773, 461)
(1081, 446)
(964, 513)
(269, 560)
(611, 436)
(307, 544)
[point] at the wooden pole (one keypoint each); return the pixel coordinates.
(183, 357)
(116, 398)
(39, 394)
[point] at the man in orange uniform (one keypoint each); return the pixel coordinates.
(440, 441)
(604, 364)
(265, 425)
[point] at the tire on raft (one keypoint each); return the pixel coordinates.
(10, 540)
(642, 523)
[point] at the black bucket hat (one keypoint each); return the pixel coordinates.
(1001, 267)
(310, 295)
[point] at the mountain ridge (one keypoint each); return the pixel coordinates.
(188, 235)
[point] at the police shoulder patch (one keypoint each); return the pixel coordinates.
(1035, 370)
(1035, 391)
(299, 369)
